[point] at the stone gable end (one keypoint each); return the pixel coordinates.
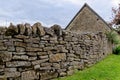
(87, 20)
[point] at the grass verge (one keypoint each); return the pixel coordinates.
(107, 69)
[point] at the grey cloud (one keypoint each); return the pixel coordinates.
(47, 11)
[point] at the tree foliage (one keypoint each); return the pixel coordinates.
(116, 15)
(116, 19)
(113, 37)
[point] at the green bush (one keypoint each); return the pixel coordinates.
(116, 50)
(113, 37)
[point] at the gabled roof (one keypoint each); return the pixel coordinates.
(86, 5)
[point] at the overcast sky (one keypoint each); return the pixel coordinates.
(50, 12)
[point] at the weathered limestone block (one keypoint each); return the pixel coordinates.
(18, 64)
(33, 49)
(77, 59)
(12, 30)
(42, 53)
(88, 42)
(2, 42)
(46, 37)
(64, 65)
(76, 48)
(88, 63)
(48, 76)
(40, 28)
(93, 56)
(60, 38)
(61, 42)
(62, 74)
(34, 45)
(22, 57)
(21, 37)
(49, 48)
(10, 69)
(29, 40)
(3, 77)
(53, 42)
(21, 28)
(71, 67)
(56, 65)
(39, 61)
(46, 64)
(16, 39)
(31, 54)
(64, 32)
(3, 48)
(57, 30)
(78, 54)
(13, 74)
(77, 65)
(57, 57)
(50, 44)
(61, 70)
(42, 42)
(28, 29)
(20, 44)
(23, 69)
(37, 67)
(2, 71)
(2, 31)
(43, 57)
(19, 53)
(70, 58)
(20, 49)
(1, 65)
(11, 48)
(83, 56)
(70, 72)
(46, 68)
(7, 37)
(54, 39)
(34, 29)
(17, 78)
(71, 55)
(7, 43)
(74, 39)
(35, 40)
(68, 38)
(32, 58)
(28, 75)
(5, 56)
(49, 31)
(62, 48)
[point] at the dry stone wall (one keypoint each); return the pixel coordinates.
(40, 53)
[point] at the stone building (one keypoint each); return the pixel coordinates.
(87, 20)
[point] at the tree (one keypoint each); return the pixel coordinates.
(116, 19)
(116, 16)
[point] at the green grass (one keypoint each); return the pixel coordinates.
(107, 69)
